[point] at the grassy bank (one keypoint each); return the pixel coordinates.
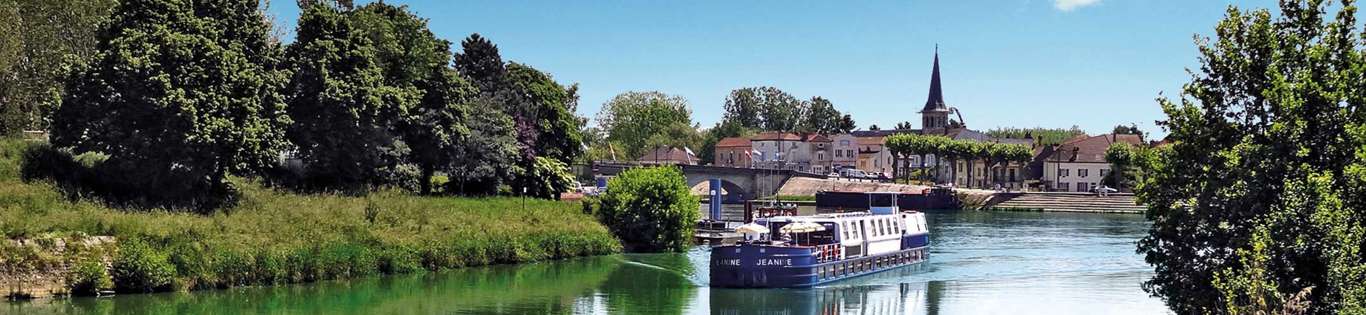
(274, 237)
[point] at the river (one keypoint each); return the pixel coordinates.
(981, 263)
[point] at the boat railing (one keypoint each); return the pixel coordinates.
(827, 252)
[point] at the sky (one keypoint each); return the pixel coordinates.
(1004, 63)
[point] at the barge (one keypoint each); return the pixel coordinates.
(804, 251)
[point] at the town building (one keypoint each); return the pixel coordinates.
(1079, 164)
(734, 152)
(844, 151)
(807, 152)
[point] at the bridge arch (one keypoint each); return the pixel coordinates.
(731, 192)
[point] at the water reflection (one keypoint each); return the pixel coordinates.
(981, 263)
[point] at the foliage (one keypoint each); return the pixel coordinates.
(550, 178)
(272, 237)
(179, 91)
(1128, 164)
(480, 62)
(44, 40)
(822, 117)
(905, 125)
(770, 109)
(1042, 136)
(650, 209)
(631, 119)
(993, 153)
(344, 112)
(1267, 138)
(548, 106)
(1131, 129)
(412, 58)
(488, 158)
(138, 267)
(874, 127)
(88, 277)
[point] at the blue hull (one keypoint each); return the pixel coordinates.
(761, 266)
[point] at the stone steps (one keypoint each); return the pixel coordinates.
(1072, 203)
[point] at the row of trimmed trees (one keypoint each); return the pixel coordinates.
(992, 154)
(185, 93)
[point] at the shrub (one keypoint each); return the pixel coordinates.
(140, 268)
(650, 209)
(88, 277)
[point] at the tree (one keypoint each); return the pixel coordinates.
(344, 112)
(45, 38)
(413, 59)
(480, 62)
(488, 157)
(1131, 129)
(179, 89)
(874, 127)
(822, 117)
(1259, 200)
(650, 209)
(765, 108)
(548, 105)
(1043, 136)
(632, 119)
(905, 125)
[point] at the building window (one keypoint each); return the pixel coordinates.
(1082, 172)
(849, 153)
(839, 153)
(1062, 187)
(1012, 174)
(1063, 172)
(1102, 173)
(820, 156)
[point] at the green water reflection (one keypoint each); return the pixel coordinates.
(982, 263)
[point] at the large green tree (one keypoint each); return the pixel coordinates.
(344, 112)
(42, 40)
(179, 87)
(413, 59)
(632, 119)
(1260, 202)
(822, 117)
(765, 108)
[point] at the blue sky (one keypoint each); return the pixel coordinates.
(1025, 63)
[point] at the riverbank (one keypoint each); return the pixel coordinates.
(273, 237)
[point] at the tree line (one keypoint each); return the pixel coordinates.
(992, 154)
(186, 93)
(632, 123)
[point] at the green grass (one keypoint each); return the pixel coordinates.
(276, 237)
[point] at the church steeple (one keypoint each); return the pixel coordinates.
(936, 113)
(935, 102)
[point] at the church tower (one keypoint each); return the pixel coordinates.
(935, 115)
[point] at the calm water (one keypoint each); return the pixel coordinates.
(981, 263)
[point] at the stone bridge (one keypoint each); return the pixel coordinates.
(737, 184)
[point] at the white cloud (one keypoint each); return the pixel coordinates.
(1069, 5)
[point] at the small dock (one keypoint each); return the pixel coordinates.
(716, 233)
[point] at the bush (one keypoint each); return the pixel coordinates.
(650, 209)
(122, 183)
(88, 277)
(140, 268)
